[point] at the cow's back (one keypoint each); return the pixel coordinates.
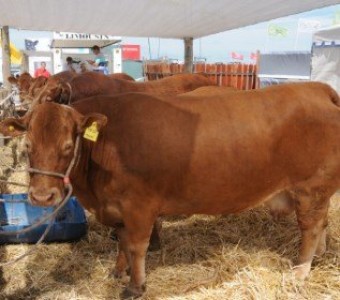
(64, 76)
(92, 83)
(207, 91)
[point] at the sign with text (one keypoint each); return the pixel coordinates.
(131, 52)
(81, 36)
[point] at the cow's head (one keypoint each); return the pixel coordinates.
(35, 89)
(52, 130)
(12, 80)
(23, 83)
(55, 90)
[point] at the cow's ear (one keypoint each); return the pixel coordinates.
(90, 119)
(12, 80)
(13, 126)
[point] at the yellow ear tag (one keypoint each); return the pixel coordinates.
(91, 132)
(11, 128)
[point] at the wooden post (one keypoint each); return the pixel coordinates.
(188, 55)
(257, 69)
(6, 56)
(24, 67)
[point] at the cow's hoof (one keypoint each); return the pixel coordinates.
(130, 293)
(301, 272)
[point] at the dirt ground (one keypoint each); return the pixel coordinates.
(245, 256)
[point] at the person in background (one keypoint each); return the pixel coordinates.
(98, 59)
(71, 65)
(42, 71)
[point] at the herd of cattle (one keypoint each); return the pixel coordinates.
(181, 146)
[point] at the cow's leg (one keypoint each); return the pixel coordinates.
(137, 236)
(122, 263)
(311, 210)
(155, 240)
(321, 248)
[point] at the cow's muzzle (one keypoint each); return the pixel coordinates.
(44, 197)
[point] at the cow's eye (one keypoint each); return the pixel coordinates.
(67, 148)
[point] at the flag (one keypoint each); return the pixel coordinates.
(235, 55)
(308, 25)
(16, 55)
(30, 45)
(253, 56)
(277, 30)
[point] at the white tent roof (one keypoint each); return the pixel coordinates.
(153, 18)
(328, 34)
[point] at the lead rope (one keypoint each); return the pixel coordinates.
(9, 96)
(68, 186)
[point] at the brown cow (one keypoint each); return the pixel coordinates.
(29, 87)
(23, 82)
(92, 83)
(36, 87)
(199, 156)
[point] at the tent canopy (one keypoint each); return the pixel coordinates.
(330, 34)
(147, 18)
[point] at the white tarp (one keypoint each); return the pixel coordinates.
(327, 35)
(326, 57)
(147, 18)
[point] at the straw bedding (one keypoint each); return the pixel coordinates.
(245, 256)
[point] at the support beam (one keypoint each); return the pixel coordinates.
(188, 54)
(24, 67)
(6, 56)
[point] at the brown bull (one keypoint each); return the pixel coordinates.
(200, 156)
(92, 83)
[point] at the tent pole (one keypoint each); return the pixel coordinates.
(188, 55)
(6, 56)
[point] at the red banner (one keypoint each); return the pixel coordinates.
(131, 52)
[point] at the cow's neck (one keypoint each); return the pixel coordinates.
(80, 174)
